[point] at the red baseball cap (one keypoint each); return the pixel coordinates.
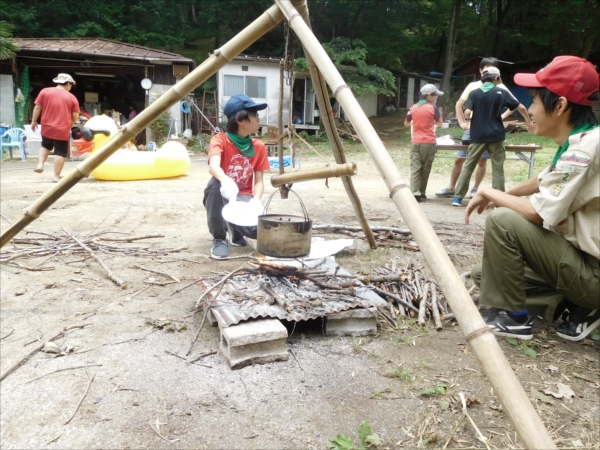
(567, 76)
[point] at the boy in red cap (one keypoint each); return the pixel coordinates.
(552, 269)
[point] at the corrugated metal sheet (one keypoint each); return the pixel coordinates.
(230, 312)
(98, 47)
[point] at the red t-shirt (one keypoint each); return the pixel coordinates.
(423, 119)
(58, 106)
(237, 166)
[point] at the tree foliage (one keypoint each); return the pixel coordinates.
(350, 58)
(8, 48)
(408, 35)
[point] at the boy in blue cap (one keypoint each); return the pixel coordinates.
(236, 162)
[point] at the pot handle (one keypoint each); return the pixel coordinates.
(266, 210)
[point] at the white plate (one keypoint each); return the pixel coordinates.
(242, 213)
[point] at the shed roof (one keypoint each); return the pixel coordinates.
(98, 47)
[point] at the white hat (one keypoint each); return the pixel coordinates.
(431, 89)
(63, 78)
(491, 70)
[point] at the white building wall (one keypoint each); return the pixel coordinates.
(7, 100)
(368, 103)
(269, 70)
(155, 92)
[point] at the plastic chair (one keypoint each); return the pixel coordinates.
(15, 136)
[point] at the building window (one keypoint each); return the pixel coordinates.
(233, 85)
(255, 87)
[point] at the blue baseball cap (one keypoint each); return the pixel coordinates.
(238, 102)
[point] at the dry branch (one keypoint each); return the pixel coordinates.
(134, 238)
(23, 360)
(82, 398)
(122, 284)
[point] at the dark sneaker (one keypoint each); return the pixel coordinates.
(582, 321)
(503, 325)
(423, 198)
(236, 240)
(220, 249)
(419, 198)
(445, 193)
(457, 202)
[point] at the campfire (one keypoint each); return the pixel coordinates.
(300, 291)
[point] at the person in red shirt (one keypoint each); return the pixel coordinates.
(236, 162)
(424, 116)
(59, 110)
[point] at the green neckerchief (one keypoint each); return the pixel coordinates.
(486, 87)
(563, 148)
(421, 103)
(244, 145)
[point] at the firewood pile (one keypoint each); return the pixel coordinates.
(303, 293)
(346, 131)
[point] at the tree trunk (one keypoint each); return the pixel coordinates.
(193, 8)
(450, 45)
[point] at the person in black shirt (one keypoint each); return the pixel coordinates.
(487, 130)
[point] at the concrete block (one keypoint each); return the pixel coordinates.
(353, 322)
(255, 342)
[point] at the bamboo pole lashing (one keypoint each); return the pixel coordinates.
(506, 385)
(330, 171)
(268, 20)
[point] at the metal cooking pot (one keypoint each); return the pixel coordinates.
(284, 235)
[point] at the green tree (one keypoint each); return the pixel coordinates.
(350, 58)
(8, 48)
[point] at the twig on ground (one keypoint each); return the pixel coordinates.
(62, 370)
(31, 269)
(139, 291)
(116, 343)
(5, 219)
(82, 398)
(481, 437)
(303, 371)
(185, 287)
(199, 330)
(7, 335)
(169, 352)
(160, 283)
(23, 360)
(177, 280)
(160, 435)
(203, 355)
(133, 238)
(122, 284)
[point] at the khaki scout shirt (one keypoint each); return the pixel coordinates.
(569, 197)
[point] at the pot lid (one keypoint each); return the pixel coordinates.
(243, 213)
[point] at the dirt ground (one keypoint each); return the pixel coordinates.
(143, 396)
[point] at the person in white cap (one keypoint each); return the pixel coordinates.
(59, 110)
(487, 131)
(424, 115)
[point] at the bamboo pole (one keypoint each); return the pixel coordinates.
(506, 385)
(268, 20)
(280, 121)
(330, 171)
(320, 88)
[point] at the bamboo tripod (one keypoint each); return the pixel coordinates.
(515, 401)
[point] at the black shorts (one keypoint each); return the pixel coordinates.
(61, 148)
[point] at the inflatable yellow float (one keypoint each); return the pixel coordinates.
(172, 160)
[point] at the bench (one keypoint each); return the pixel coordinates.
(519, 151)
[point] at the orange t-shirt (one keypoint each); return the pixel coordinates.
(237, 166)
(423, 118)
(58, 106)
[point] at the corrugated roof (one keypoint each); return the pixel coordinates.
(97, 47)
(228, 311)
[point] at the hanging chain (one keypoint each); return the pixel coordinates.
(288, 59)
